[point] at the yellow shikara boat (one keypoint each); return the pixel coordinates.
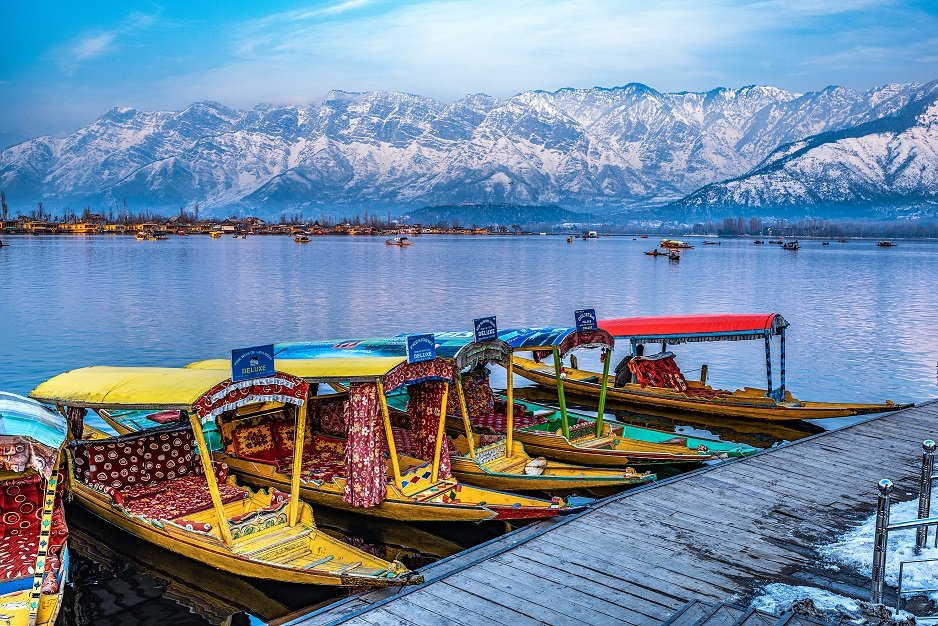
(658, 383)
(498, 461)
(344, 464)
(154, 485)
(33, 533)
(563, 439)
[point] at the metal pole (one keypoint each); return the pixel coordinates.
(924, 492)
(781, 391)
(879, 540)
(561, 399)
(768, 366)
(602, 392)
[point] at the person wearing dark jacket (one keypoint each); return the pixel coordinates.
(623, 373)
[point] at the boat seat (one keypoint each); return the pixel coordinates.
(498, 422)
(154, 474)
(405, 442)
(323, 462)
(658, 370)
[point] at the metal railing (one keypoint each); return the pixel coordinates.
(912, 592)
(921, 524)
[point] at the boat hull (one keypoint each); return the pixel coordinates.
(748, 403)
(214, 553)
(556, 477)
(396, 505)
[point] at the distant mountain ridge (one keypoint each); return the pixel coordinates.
(883, 165)
(498, 214)
(593, 150)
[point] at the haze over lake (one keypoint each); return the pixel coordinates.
(862, 318)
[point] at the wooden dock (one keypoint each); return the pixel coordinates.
(716, 534)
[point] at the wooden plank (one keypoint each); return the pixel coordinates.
(564, 600)
(426, 599)
(623, 579)
(478, 584)
(475, 606)
(616, 596)
(406, 610)
(714, 534)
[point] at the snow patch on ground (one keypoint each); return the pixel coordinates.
(855, 550)
(778, 598)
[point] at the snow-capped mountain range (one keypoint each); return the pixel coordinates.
(590, 149)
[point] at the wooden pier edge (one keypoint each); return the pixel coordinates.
(904, 453)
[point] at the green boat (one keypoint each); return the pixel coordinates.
(641, 433)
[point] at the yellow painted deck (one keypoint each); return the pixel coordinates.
(637, 558)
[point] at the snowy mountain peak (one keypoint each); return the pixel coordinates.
(587, 148)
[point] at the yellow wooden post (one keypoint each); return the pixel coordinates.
(299, 438)
(561, 399)
(510, 411)
(440, 434)
(464, 411)
(210, 479)
(389, 434)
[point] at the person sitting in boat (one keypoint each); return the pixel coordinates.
(623, 373)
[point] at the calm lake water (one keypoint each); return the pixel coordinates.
(862, 318)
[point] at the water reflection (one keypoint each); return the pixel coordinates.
(118, 579)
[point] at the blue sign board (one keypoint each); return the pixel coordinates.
(420, 348)
(585, 320)
(248, 363)
(485, 329)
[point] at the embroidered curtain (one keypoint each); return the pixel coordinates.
(423, 407)
(365, 464)
(75, 417)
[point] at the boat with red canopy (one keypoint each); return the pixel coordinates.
(658, 382)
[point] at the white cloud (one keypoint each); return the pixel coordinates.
(93, 46)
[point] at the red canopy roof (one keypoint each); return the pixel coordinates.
(696, 327)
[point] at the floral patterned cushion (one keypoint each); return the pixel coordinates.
(138, 460)
(18, 553)
(497, 422)
(20, 506)
(283, 437)
(177, 498)
(255, 442)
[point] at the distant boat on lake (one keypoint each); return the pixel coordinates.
(885, 244)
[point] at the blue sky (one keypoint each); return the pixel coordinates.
(63, 64)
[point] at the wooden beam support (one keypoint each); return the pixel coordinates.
(206, 458)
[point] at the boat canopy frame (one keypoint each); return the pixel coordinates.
(387, 373)
(202, 393)
(560, 342)
(677, 329)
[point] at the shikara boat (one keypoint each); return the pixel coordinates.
(397, 241)
(497, 460)
(675, 244)
(659, 383)
(584, 445)
(568, 438)
(33, 533)
(344, 463)
(159, 487)
(491, 459)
